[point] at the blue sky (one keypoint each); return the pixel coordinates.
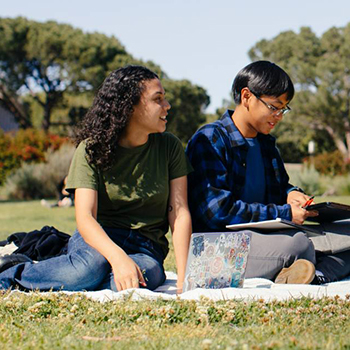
(203, 41)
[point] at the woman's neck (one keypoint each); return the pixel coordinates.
(132, 140)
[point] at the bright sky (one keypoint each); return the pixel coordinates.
(205, 41)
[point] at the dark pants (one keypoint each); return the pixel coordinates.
(335, 266)
(270, 253)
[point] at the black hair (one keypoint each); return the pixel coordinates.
(110, 113)
(262, 78)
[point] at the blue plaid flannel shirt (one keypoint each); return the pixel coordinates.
(218, 154)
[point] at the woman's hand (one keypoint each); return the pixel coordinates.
(179, 286)
(127, 273)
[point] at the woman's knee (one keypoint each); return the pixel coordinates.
(88, 269)
(152, 270)
(82, 255)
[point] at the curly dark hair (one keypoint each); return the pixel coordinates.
(110, 113)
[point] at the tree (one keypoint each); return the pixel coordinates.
(57, 68)
(15, 106)
(48, 60)
(320, 69)
(188, 103)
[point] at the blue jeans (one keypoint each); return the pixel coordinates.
(84, 268)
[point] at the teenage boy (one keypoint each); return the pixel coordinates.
(239, 177)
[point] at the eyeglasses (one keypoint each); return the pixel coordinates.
(274, 110)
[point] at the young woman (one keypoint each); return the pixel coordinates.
(130, 183)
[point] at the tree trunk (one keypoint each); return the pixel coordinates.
(51, 100)
(15, 107)
(347, 138)
(341, 145)
(47, 117)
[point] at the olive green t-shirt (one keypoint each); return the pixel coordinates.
(134, 193)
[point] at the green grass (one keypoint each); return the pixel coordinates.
(74, 322)
(337, 199)
(59, 321)
(30, 215)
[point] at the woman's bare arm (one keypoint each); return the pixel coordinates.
(180, 224)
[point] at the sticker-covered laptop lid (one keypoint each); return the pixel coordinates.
(217, 260)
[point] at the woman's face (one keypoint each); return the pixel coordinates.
(150, 113)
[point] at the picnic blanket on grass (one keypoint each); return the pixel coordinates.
(253, 289)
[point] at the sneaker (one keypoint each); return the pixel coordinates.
(45, 203)
(7, 261)
(300, 272)
(320, 279)
(65, 203)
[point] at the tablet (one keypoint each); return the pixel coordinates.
(329, 211)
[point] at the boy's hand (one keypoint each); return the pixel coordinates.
(297, 197)
(299, 214)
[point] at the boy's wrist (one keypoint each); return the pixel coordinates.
(295, 188)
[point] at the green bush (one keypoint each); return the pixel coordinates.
(331, 163)
(39, 180)
(25, 146)
(313, 183)
(336, 186)
(25, 182)
(8, 160)
(309, 179)
(56, 167)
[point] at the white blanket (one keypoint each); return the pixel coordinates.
(254, 288)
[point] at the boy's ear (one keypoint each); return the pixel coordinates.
(245, 97)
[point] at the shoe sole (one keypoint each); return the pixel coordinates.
(11, 260)
(300, 272)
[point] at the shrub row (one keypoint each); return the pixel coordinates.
(39, 180)
(313, 182)
(25, 146)
(331, 163)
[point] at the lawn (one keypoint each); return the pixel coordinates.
(30, 215)
(58, 321)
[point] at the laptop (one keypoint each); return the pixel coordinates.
(217, 260)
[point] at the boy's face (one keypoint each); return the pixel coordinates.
(264, 113)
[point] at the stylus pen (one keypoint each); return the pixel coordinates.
(308, 202)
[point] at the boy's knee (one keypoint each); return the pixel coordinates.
(302, 247)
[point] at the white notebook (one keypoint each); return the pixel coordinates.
(272, 225)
